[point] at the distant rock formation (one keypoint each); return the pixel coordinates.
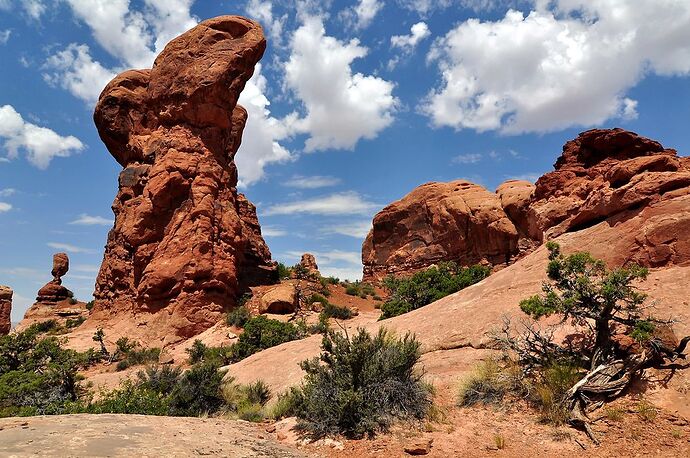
(54, 302)
(53, 291)
(5, 310)
(185, 244)
(603, 175)
(456, 221)
(308, 262)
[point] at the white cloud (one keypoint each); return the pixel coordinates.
(357, 230)
(312, 182)
(87, 268)
(341, 107)
(407, 43)
(262, 11)
(363, 13)
(34, 8)
(5, 36)
(7, 192)
(342, 273)
(531, 177)
(570, 65)
(426, 7)
(74, 70)
(70, 248)
(5, 207)
(469, 158)
(330, 257)
(88, 220)
(260, 141)
(344, 203)
(40, 144)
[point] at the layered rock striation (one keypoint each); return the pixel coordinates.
(185, 244)
(602, 176)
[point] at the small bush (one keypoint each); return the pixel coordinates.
(198, 391)
(72, 301)
(300, 272)
(646, 411)
(353, 289)
(490, 383)
(44, 327)
(160, 379)
(284, 272)
(196, 351)
(361, 385)
(500, 441)
(287, 404)
(258, 393)
(138, 357)
(251, 412)
(614, 413)
(552, 391)
(336, 311)
(261, 333)
(71, 323)
(89, 305)
(333, 280)
(131, 398)
(427, 286)
(238, 317)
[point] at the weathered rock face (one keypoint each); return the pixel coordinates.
(5, 310)
(53, 291)
(279, 299)
(602, 176)
(457, 221)
(184, 240)
(603, 173)
(308, 262)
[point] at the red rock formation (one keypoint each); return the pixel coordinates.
(5, 310)
(457, 221)
(185, 243)
(308, 262)
(602, 176)
(53, 291)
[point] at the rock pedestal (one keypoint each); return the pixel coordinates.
(53, 291)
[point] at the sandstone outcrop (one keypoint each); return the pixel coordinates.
(185, 244)
(456, 221)
(602, 175)
(5, 309)
(279, 299)
(308, 262)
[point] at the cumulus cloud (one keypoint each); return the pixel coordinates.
(89, 220)
(262, 11)
(312, 182)
(74, 70)
(567, 63)
(39, 144)
(407, 43)
(34, 8)
(362, 14)
(341, 107)
(262, 133)
(7, 192)
(344, 203)
(5, 207)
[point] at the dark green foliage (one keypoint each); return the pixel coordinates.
(38, 376)
(47, 326)
(74, 322)
(196, 351)
(333, 280)
(89, 305)
(353, 289)
(301, 272)
(359, 386)
(261, 333)
(336, 311)
(258, 393)
(583, 289)
(427, 286)
(198, 391)
(643, 331)
(238, 316)
(160, 379)
(284, 272)
(317, 298)
(72, 301)
(131, 398)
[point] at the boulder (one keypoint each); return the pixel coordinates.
(279, 299)
(185, 244)
(308, 262)
(5, 310)
(60, 265)
(53, 291)
(515, 197)
(456, 221)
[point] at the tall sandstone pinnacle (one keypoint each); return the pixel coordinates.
(602, 176)
(185, 244)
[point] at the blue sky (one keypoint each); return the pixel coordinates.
(355, 103)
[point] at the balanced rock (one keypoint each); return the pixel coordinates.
(5, 310)
(456, 221)
(185, 244)
(53, 291)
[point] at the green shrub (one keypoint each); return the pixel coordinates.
(336, 311)
(72, 301)
(333, 280)
(44, 327)
(287, 404)
(251, 412)
(552, 390)
(353, 289)
(261, 333)
(490, 382)
(198, 391)
(89, 305)
(138, 357)
(160, 379)
(317, 298)
(258, 393)
(301, 272)
(238, 317)
(131, 398)
(38, 376)
(427, 286)
(284, 272)
(360, 385)
(71, 323)
(196, 351)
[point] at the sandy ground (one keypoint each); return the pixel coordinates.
(135, 436)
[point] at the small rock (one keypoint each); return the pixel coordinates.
(419, 447)
(281, 436)
(271, 428)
